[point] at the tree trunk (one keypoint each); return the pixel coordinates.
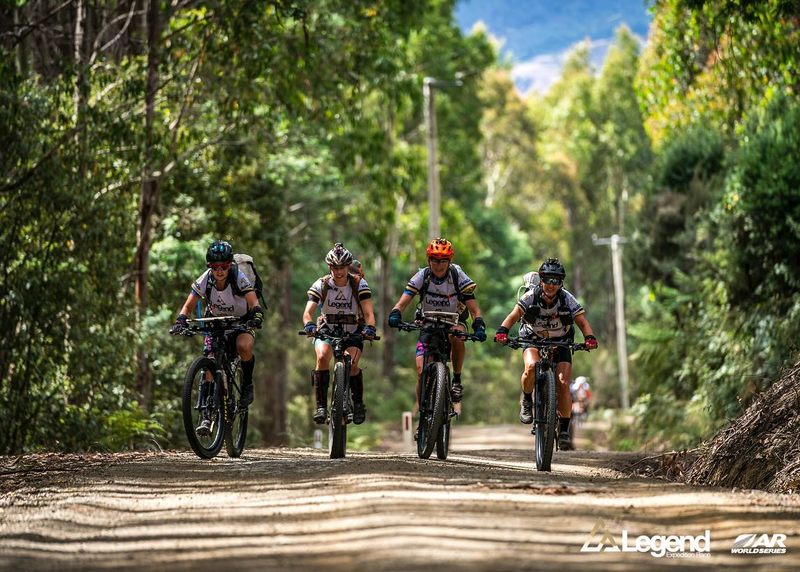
(272, 387)
(147, 203)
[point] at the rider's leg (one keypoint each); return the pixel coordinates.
(457, 353)
(357, 386)
(320, 379)
(244, 346)
(529, 357)
(419, 362)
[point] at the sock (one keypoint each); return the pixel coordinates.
(564, 422)
(456, 378)
(321, 380)
(527, 397)
(357, 387)
(247, 371)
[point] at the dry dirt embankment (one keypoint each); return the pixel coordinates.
(485, 508)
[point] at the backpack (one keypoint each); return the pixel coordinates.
(355, 281)
(242, 263)
(563, 312)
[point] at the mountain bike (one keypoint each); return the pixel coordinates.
(212, 391)
(545, 402)
(435, 401)
(341, 408)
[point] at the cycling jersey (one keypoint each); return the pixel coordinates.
(442, 294)
(547, 324)
(339, 299)
(223, 302)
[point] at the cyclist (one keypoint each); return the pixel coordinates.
(339, 292)
(442, 286)
(225, 294)
(581, 393)
(548, 311)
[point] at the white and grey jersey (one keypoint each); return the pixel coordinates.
(442, 294)
(223, 302)
(547, 324)
(339, 299)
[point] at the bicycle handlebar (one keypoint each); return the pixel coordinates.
(323, 335)
(438, 325)
(525, 343)
(213, 323)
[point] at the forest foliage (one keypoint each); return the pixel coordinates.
(135, 132)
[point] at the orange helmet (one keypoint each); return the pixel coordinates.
(440, 248)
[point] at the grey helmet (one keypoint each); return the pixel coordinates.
(339, 256)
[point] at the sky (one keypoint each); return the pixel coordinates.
(538, 34)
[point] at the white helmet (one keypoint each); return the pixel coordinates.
(580, 381)
(339, 256)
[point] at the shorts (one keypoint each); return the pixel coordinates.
(421, 345)
(563, 354)
(358, 344)
(230, 341)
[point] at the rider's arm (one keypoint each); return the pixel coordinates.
(583, 324)
(308, 313)
(472, 306)
(369, 312)
(191, 300)
(404, 300)
(251, 298)
(513, 317)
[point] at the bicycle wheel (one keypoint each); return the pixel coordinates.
(194, 409)
(545, 419)
(432, 418)
(236, 423)
(443, 440)
(337, 431)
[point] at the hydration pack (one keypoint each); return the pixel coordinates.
(242, 263)
(563, 312)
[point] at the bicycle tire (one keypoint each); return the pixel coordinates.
(237, 416)
(443, 441)
(204, 447)
(435, 413)
(337, 434)
(545, 420)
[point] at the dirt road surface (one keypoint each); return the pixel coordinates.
(485, 508)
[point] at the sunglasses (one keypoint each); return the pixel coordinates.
(219, 265)
(439, 260)
(553, 281)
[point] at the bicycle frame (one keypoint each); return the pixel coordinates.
(341, 410)
(545, 405)
(434, 423)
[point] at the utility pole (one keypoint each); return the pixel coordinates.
(615, 241)
(434, 197)
(434, 194)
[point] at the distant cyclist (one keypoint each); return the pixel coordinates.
(581, 393)
(548, 311)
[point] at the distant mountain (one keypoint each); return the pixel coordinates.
(538, 33)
